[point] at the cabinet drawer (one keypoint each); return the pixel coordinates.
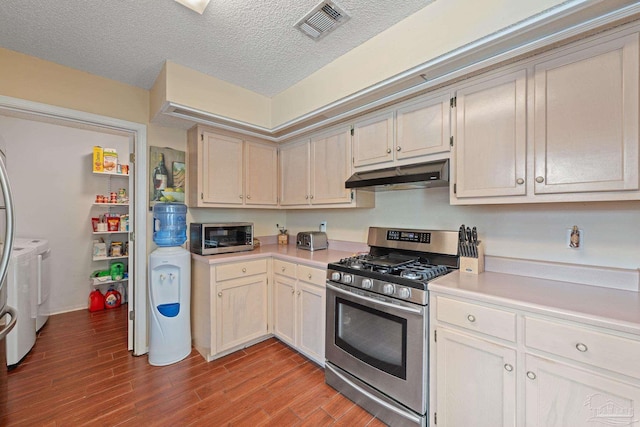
(240, 269)
(312, 275)
(490, 321)
(584, 345)
(284, 268)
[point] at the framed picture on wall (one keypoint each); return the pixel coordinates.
(167, 173)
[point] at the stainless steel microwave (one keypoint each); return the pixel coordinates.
(218, 238)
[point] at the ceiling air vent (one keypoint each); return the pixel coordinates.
(322, 19)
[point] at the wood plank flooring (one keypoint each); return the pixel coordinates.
(80, 373)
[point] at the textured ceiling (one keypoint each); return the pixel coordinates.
(249, 43)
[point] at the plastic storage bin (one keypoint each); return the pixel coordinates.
(169, 224)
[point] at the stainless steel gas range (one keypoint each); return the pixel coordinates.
(377, 335)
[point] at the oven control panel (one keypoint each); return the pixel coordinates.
(376, 286)
(409, 236)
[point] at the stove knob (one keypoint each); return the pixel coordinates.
(404, 293)
(388, 289)
(347, 278)
(367, 283)
(335, 276)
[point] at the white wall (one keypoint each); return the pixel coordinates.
(50, 172)
(611, 229)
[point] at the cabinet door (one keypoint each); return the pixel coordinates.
(490, 137)
(222, 169)
(559, 394)
(311, 320)
(586, 119)
(261, 174)
(284, 312)
(373, 140)
(423, 128)
(331, 167)
(294, 174)
(241, 311)
(476, 381)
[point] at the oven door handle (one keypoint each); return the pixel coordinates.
(375, 301)
(415, 419)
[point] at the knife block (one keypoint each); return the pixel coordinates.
(473, 265)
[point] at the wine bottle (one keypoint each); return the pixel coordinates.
(160, 177)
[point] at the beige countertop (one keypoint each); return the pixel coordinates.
(319, 258)
(598, 306)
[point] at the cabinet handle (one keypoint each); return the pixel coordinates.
(582, 347)
(539, 179)
(244, 270)
(471, 318)
(508, 367)
(388, 150)
(398, 148)
(219, 294)
(519, 181)
(531, 375)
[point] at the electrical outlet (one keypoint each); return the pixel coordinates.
(575, 238)
(323, 226)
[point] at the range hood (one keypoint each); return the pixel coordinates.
(421, 175)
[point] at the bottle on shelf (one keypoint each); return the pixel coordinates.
(160, 178)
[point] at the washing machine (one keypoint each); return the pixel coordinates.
(21, 283)
(40, 295)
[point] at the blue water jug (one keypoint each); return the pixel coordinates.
(169, 224)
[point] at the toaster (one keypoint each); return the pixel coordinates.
(311, 240)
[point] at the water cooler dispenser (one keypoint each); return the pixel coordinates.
(169, 287)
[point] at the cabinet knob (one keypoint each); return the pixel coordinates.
(539, 179)
(531, 375)
(306, 197)
(471, 318)
(582, 347)
(388, 150)
(219, 294)
(519, 181)
(298, 292)
(508, 367)
(248, 196)
(311, 196)
(309, 276)
(244, 270)
(398, 148)
(292, 291)
(241, 196)
(284, 268)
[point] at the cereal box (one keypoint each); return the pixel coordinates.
(98, 159)
(110, 159)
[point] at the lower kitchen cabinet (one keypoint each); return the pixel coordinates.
(497, 365)
(299, 307)
(229, 306)
(476, 381)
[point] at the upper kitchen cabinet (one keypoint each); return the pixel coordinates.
(313, 172)
(490, 133)
(405, 135)
(586, 119)
(226, 171)
(566, 131)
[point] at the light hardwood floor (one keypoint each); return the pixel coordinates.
(80, 373)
